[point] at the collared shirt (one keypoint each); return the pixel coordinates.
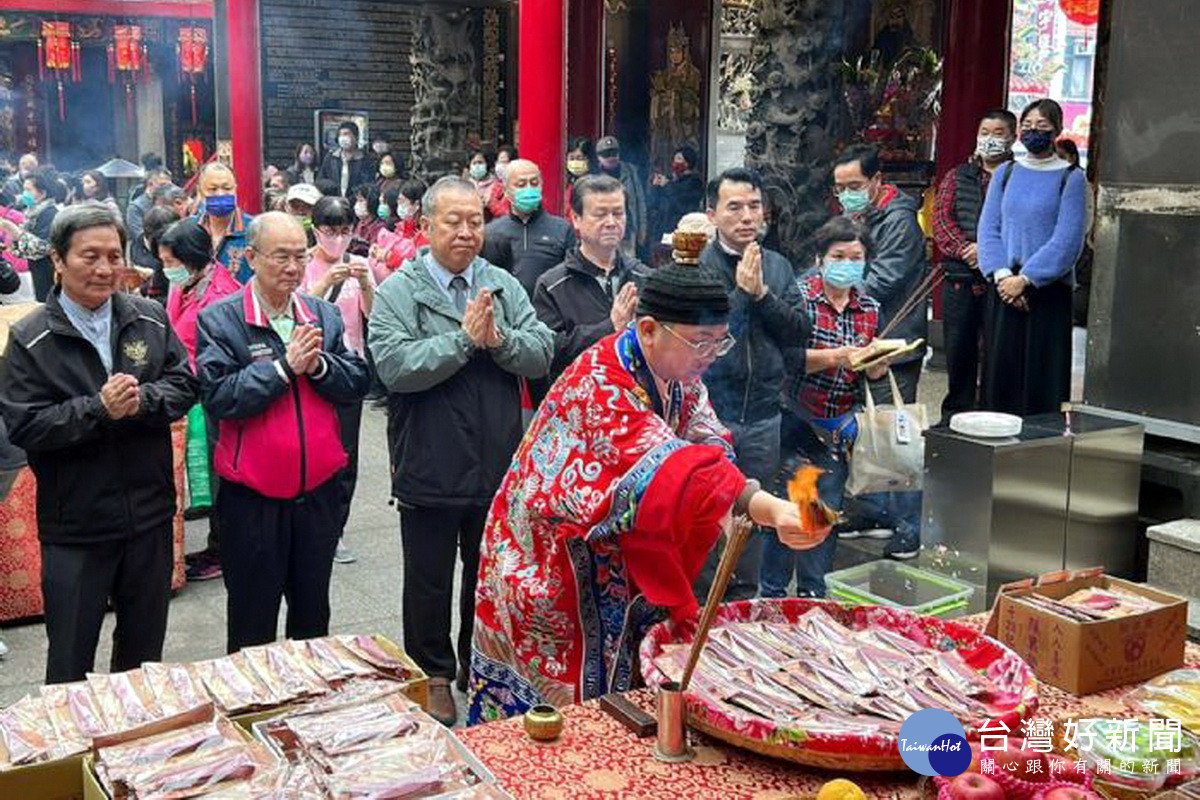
(93, 325)
(282, 322)
(443, 276)
(833, 392)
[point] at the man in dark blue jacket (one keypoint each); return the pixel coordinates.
(273, 366)
(770, 329)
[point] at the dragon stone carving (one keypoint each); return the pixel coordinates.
(446, 94)
(790, 137)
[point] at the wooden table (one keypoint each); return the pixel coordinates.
(598, 758)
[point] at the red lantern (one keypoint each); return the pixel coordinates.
(192, 52)
(58, 53)
(128, 56)
(1083, 12)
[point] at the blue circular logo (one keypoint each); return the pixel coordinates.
(933, 742)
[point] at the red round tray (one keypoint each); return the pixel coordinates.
(868, 751)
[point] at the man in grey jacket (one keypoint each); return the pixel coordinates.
(893, 275)
(898, 265)
(451, 335)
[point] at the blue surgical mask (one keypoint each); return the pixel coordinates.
(844, 274)
(527, 199)
(26, 199)
(478, 171)
(176, 275)
(220, 205)
(854, 200)
(382, 211)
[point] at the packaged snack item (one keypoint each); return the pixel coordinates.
(73, 713)
(26, 733)
(285, 676)
(124, 699)
(174, 687)
(371, 651)
(1174, 695)
(234, 686)
(333, 662)
(1138, 753)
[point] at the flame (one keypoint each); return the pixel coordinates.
(815, 516)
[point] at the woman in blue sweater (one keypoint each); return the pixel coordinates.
(1030, 235)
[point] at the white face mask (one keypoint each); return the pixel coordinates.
(345, 141)
(360, 209)
(992, 147)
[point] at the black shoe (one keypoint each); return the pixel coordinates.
(903, 549)
(463, 680)
(197, 513)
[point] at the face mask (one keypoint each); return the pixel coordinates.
(360, 209)
(26, 198)
(844, 274)
(577, 166)
(382, 211)
(380, 148)
(1037, 142)
(501, 170)
(346, 142)
(478, 171)
(334, 246)
(306, 158)
(220, 205)
(387, 170)
(403, 211)
(527, 199)
(854, 200)
(992, 147)
(177, 276)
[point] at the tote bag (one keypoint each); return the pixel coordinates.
(889, 453)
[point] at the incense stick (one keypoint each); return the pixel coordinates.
(919, 295)
(729, 558)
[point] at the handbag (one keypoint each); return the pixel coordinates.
(889, 453)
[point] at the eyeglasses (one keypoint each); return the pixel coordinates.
(713, 347)
(281, 258)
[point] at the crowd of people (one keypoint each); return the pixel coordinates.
(571, 417)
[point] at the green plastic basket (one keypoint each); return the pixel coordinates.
(888, 583)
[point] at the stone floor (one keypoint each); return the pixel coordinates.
(365, 595)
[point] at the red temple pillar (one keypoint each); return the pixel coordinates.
(585, 68)
(245, 103)
(541, 92)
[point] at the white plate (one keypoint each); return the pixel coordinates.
(986, 424)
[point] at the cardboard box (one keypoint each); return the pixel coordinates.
(52, 780)
(1086, 657)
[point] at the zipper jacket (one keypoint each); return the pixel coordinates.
(278, 431)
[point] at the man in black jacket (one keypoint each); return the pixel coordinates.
(955, 226)
(89, 388)
(530, 240)
(770, 328)
(593, 292)
(347, 165)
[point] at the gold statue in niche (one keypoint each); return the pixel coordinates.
(674, 102)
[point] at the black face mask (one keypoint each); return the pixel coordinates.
(1037, 142)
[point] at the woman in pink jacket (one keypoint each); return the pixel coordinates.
(196, 282)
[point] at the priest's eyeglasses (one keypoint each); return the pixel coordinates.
(706, 349)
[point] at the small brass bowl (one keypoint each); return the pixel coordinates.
(543, 723)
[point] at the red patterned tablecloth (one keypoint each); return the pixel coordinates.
(21, 556)
(598, 758)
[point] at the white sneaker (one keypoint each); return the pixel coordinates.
(344, 555)
(3, 649)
